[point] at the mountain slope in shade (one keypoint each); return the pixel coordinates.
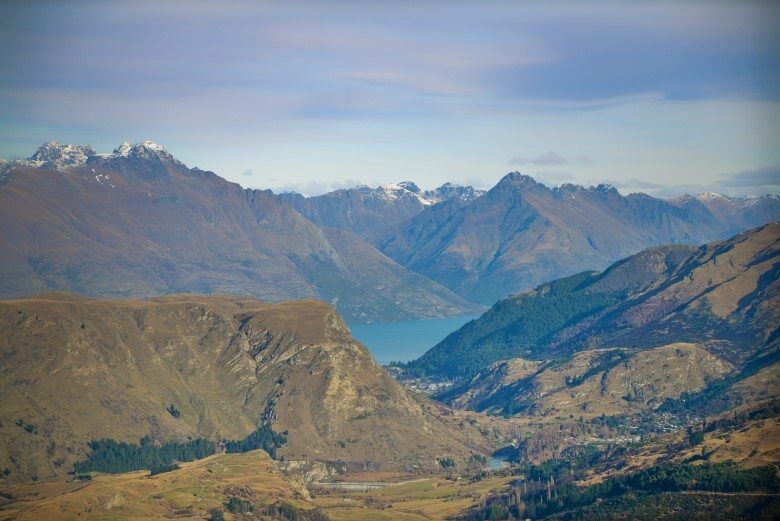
(78, 369)
(522, 233)
(138, 222)
(723, 296)
(368, 212)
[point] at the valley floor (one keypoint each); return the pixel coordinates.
(193, 490)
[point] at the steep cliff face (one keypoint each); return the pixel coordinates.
(74, 369)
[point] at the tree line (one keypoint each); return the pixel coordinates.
(547, 490)
(114, 457)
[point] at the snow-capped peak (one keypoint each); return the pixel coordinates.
(711, 196)
(409, 189)
(56, 156)
(123, 150)
(452, 191)
(404, 189)
(145, 151)
(145, 147)
(409, 185)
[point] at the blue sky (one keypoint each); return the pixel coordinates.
(657, 97)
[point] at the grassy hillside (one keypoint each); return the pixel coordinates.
(248, 480)
(591, 383)
(73, 370)
(723, 296)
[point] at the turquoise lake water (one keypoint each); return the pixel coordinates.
(404, 341)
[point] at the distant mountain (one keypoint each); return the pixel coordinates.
(368, 212)
(138, 222)
(522, 233)
(74, 369)
(54, 156)
(723, 296)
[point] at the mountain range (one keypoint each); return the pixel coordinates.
(367, 212)
(522, 233)
(138, 222)
(723, 294)
(621, 375)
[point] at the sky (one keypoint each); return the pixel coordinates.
(658, 97)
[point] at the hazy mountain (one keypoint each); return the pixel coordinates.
(522, 233)
(368, 212)
(722, 296)
(77, 369)
(138, 222)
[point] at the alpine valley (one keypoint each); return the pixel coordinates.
(175, 346)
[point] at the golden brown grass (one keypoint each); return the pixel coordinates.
(197, 487)
(190, 491)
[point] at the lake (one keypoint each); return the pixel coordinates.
(404, 341)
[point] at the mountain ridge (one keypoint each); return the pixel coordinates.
(720, 295)
(367, 211)
(138, 222)
(432, 253)
(522, 233)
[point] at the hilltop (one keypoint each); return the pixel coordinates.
(74, 369)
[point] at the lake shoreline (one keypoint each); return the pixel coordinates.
(404, 341)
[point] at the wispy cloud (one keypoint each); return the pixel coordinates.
(764, 177)
(372, 89)
(310, 188)
(550, 158)
(585, 160)
(754, 181)
(634, 183)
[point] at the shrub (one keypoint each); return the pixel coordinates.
(236, 505)
(447, 462)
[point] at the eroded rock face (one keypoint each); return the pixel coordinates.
(79, 369)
